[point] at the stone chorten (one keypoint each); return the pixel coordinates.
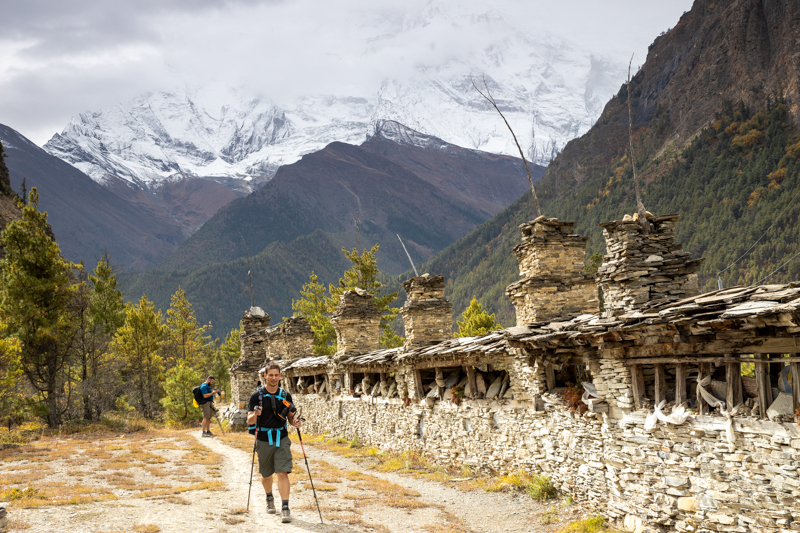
(290, 340)
(244, 372)
(641, 271)
(553, 282)
(427, 315)
(357, 323)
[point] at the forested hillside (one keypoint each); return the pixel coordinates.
(715, 138)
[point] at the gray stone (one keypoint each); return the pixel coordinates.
(783, 405)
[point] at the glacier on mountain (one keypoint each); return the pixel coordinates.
(549, 90)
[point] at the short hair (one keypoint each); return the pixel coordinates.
(272, 366)
(210, 377)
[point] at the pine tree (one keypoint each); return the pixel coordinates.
(313, 305)
(10, 371)
(185, 341)
(137, 343)
(476, 321)
(100, 312)
(225, 355)
(177, 402)
(364, 275)
(36, 292)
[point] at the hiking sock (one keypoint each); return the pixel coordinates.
(285, 504)
(270, 496)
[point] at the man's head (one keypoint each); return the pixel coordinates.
(210, 380)
(272, 375)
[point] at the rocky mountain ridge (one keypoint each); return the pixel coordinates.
(549, 89)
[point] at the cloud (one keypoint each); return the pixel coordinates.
(63, 57)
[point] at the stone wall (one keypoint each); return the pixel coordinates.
(427, 315)
(244, 372)
(639, 270)
(357, 323)
(674, 478)
(551, 267)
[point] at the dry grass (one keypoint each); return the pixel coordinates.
(146, 528)
(594, 524)
(104, 466)
(449, 523)
(418, 465)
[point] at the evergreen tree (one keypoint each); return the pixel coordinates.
(476, 321)
(177, 402)
(224, 356)
(137, 343)
(313, 305)
(185, 341)
(36, 293)
(363, 274)
(10, 371)
(100, 312)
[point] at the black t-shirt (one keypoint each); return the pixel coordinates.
(269, 418)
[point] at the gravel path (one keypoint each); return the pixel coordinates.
(434, 511)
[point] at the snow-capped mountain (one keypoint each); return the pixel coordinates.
(549, 90)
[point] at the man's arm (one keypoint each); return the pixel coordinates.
(252, 416)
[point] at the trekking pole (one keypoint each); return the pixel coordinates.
(252, 465)
(299, 436)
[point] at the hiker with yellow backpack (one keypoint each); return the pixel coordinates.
(204, 398)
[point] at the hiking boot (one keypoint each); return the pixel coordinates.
(286, 515)
(271, 506)
(206, 434)
(209, 434)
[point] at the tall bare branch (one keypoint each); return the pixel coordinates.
(489, 98)
(639, 205)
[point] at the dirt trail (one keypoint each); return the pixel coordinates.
(355, 503)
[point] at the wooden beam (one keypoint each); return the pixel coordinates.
(733, 380)
(795, 370)
(550, 375)
(661, 384)
(418, 385)
(704, 347)
(637, 384)
(677, 360)
(764, 388)
(680, 384)
(471, 380)
(702, 406)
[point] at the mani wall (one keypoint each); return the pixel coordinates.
(664, 409)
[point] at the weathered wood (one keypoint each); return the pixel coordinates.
(637, 383)
(661, 384)
(550, 376)
(795, 370)
(418, 385)
(680, 384)
(702, 406)
(471, 380)
(733, 379)
(691, 360)
(764, 388)
(703, 346)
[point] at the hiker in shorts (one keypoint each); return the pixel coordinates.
(208, 395)
(270, 411)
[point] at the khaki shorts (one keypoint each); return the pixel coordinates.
(207, 409)
(273, 458)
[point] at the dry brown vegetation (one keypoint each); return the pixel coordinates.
(105, 466)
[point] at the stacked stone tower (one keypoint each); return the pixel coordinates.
(641, 271)
(357, 323)
(290, 340)
(253, 338)
(553, 282)
(427, 315)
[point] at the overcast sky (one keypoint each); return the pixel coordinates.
(64, 57)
